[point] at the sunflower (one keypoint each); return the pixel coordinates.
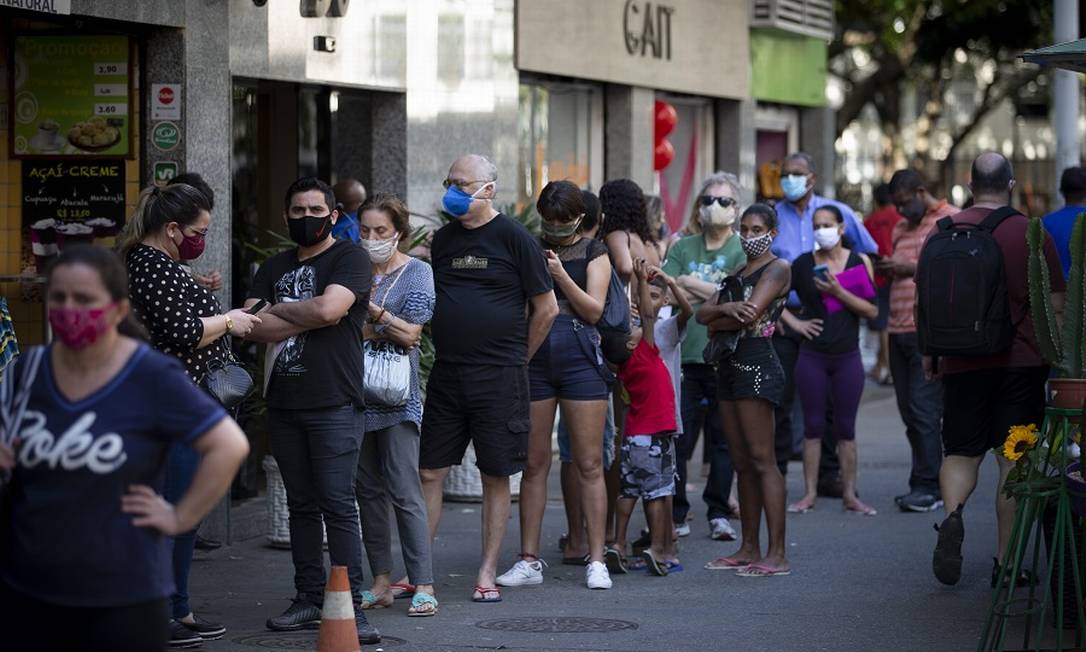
(1019, 440)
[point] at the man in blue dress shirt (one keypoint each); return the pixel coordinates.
(796, 237)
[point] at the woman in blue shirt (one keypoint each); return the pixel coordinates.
(83, 539)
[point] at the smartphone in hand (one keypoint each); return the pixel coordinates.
(822, 272)
(257, 307)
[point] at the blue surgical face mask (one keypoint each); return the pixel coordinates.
(456, 202)
(794, 186)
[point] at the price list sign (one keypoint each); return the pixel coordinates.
(71, 200)
(71, 96)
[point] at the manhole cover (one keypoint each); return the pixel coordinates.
(305, 641)
(556, 625)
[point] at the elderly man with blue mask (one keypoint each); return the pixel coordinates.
(797, 237)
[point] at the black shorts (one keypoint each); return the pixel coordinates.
(753, 371)
(980, 406)
(483, 404)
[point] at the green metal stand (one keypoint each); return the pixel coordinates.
(1044, 489)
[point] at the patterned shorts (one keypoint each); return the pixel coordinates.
(648, 467)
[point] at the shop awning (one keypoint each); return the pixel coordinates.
(1069, 56)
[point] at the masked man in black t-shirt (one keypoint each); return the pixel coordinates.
(319, 293)
(495, 306)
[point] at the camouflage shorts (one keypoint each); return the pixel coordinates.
(648, 467)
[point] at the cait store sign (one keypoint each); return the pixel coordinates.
(689, 52)
(69, 168)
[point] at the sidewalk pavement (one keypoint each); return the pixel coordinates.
(858, 583)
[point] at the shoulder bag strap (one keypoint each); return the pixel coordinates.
(394, 282)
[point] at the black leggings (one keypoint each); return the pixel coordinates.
(30, 624)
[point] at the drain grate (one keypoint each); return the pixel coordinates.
(303, 641)
(560, 625)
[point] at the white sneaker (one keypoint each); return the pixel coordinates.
(682, 530)
(596, 575)
(722, 530)
(523, 573)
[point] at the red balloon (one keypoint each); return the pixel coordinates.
(665, 119)
(662, 155)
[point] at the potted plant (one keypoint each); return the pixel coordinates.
(1061, 345)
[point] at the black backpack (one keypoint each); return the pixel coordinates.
(614, 323)
(961, 287)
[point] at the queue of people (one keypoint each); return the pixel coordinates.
(718, 331)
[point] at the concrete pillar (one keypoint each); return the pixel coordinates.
(628, 137)
(206, 142)
(735, 143)
(816, 138)
(388, 133)
(1065, 96)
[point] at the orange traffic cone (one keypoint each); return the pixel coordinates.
(338, 631)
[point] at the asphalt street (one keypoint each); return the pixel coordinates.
(858, 583)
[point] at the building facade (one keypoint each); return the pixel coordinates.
(254, 93)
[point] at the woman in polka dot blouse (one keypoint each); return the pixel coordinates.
(184, 320)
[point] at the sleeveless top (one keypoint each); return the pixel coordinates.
(841, 330)
(575, 259)
(764, 325)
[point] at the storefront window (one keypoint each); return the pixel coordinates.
(561, 137)
(692, 139)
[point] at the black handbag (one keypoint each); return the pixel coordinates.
(228, 381)
(722, 344)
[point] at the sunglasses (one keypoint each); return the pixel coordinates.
(725, 202)
(460, 184)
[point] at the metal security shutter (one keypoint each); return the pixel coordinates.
(807, 17)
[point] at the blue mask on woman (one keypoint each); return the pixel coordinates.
(456, 202)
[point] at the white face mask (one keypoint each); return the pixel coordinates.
(717, 215)
(381, 250)
(827, 237)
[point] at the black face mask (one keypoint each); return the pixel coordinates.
(308, 231)
(914, 211)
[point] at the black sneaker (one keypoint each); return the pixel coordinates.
(204, 629)
(920, 502)
(367, 633)
(182, 637)
(946, 561)
(207, 544)
(301, 614)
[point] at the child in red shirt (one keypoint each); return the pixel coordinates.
(648, 452)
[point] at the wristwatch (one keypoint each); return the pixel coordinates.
(229, 324)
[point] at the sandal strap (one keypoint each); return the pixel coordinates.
(420, 599)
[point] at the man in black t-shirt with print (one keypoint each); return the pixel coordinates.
(495, 306)
(319, 294)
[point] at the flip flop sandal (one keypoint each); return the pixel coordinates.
(423, 605)
(794, 508)
(865, 510)
(613, 558)
(371, 601)
(576, 561)
(726, 563)
(401, 590)
(655, 567)
(673, 567)
(761, 570)
(484, 592)
(636, 564)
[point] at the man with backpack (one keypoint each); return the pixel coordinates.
(974, 326)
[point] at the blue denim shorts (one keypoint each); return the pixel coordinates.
(569, 364)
